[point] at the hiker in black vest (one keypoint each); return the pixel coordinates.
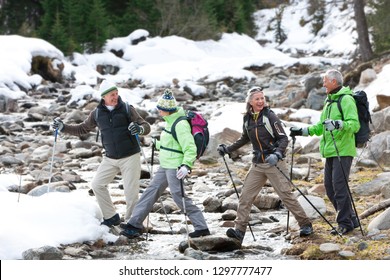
(263, 129)
(341, 134)
(119, 124)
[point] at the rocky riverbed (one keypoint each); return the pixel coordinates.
(26, 150)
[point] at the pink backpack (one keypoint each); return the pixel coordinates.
(199, 130)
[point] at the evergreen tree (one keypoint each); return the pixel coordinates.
(73, 19)
(139, 14)
(232, 15)
(280, 35)
(380, 24)
(57, 35)
(51, 8)
(20, 17)
(97, 27)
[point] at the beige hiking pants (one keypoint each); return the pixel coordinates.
(255, 180)
(130, 168)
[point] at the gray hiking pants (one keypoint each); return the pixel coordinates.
(161, 180)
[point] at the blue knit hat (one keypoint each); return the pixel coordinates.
(167, 102)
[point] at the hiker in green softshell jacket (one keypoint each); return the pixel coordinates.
(172, 152)
(338, 161)
(176, 161)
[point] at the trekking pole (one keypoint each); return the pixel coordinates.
(312, 205)
(184, 211)
(52, 156)
(291, 176)
(151, 176)
(346, 182)
(238, 196)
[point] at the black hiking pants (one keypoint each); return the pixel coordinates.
(336, 186)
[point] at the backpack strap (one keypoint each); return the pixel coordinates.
(338, 101)
(127, 111)
(339, 106)
(265, 122)
(173, 127)
(174, 135)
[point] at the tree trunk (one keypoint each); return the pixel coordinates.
(362, 30)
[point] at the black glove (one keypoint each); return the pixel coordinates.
(273, 159)
(295, 131)
(222, 150)
(135, 128)
(58, 124)
(298, 131)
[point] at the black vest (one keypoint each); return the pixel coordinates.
(113, 125)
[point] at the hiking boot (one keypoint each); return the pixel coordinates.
(235, 233)
(342, 230)
(113, 221)
(355, 222)
(306, 230)
(130, 231)
(126, 226)
(199, 233)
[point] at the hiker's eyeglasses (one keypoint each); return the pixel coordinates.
(255, 89)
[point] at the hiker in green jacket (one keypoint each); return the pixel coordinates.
(176, 161)
(341, 134)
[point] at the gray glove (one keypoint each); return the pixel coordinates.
(58, 124)
(135, 128)
(331, 125)
(273, 159)
(222, 149)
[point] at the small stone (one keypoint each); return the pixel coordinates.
(329, 247)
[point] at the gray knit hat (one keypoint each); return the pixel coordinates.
(106, 87)
(167, 102)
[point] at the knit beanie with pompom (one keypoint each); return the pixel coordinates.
(167, 102)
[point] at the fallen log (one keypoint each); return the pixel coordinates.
(372, 210)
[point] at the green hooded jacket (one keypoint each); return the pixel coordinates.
(185, 144)
(344, 138)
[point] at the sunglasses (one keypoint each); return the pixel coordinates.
(255, 89)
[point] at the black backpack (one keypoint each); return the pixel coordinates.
(362, 104)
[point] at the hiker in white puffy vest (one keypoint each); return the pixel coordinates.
(119, 124)
(263, 129)
(337, 146)
(176, 160)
